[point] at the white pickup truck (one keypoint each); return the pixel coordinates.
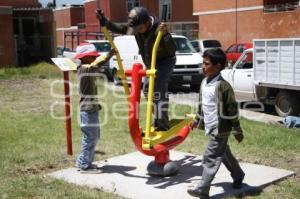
(187, 69)
(269, 73)
(102, 46)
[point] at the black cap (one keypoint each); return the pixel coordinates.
(138, 16)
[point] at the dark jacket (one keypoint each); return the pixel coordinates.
(227, 109)
(87, 85)
(145, 41)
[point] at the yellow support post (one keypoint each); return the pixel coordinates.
(151, 74)
(121, 68)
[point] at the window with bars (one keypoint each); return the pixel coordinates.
(131, 4)
(165, 5)
(280, 5)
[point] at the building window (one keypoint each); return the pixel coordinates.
(280, 5)
(189, 30)
(132, 3)
(165, 5)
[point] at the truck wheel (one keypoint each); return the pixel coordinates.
(287, 104)
(195, 87)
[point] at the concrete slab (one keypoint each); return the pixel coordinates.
(126, 176)
(260, 117)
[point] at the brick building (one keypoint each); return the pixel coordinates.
(180, 21)
(20, 3)
(7, 42)
(234, 21)
(28, 36)
(68, 19)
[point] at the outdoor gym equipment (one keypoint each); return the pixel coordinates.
(150, 142)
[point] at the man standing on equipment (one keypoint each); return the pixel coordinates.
(145, 28)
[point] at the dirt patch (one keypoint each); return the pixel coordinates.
(27, 96)
(294, 165)
(20, 84)
(33, 170)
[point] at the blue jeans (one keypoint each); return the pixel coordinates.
(292, 122)
(89, 124)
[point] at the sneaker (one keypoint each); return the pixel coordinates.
(93, 166)
(77, 165)
(160, 126)
(237, 184)
(92, 169)
(196, 192)
(161, 129)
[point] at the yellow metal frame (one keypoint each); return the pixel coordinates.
(151, 137)
(121, 72)
(151, 74)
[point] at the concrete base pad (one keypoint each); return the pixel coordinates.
(126, 176)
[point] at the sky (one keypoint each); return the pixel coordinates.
(60, 2)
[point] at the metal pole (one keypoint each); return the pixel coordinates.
(72, 36)
(68, 112)
(236, 21)
(78, 38)
(65, 39)
(151, 74)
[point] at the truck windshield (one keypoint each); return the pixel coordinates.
(246, 61)
(102, 47)
(184, 46)
(211, 44)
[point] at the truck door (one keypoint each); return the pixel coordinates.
(128, 50)
(227, 74)
(243, 82)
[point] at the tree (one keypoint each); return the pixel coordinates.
(52, 4)
(40, 5)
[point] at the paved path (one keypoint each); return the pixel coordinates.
(126, 176)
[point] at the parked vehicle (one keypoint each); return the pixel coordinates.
(102, 46)
(269, 73)
(60, 50)
(235, 51)
(188, 65)
(205, 44)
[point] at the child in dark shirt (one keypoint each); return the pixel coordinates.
(89, 105)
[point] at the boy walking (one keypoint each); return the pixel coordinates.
(145, 27)
(218, 115)
(89, 105)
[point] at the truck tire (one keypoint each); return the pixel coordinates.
(195, 87)
(287, 104)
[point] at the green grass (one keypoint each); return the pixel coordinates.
(42, 70)
(32, 143)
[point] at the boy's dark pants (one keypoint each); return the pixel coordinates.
(161, 97)
(218, 151)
